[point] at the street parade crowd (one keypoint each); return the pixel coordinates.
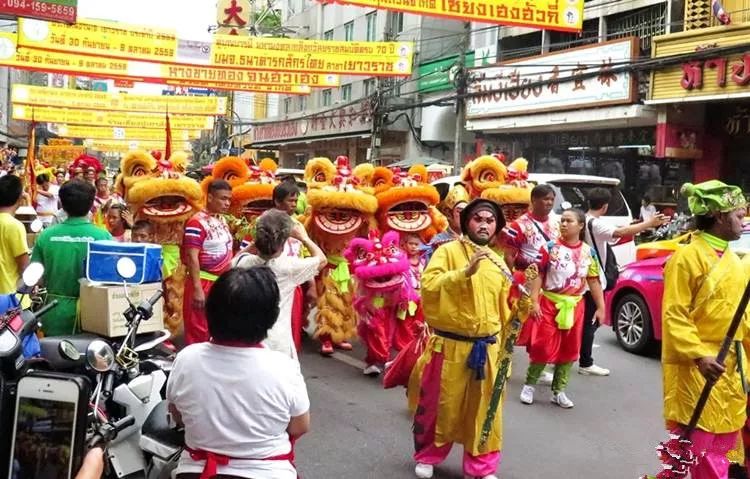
(438, 291)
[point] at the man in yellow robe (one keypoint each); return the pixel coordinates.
(703, 284)
(465, 290)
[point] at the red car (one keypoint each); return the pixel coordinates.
(634, 305)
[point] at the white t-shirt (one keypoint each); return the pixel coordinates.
(237, 402)
(290, 272)
(604, 233)
(47, 205)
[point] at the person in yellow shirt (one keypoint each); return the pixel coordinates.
(14, 250)
(701, 282)
(465, 290)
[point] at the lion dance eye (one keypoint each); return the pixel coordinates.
(138, 171)
(487, 176)
(320, 177)
(230, 176)
(361, 254)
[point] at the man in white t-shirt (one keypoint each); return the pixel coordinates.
(47, 200)
(242, 405)
(272, 231)
(603, 233)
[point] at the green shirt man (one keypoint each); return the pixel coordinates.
(62, 250)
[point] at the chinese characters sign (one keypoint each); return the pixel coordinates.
(133, 42)
(563, 15)
(352, 119)
(93, 100)
(233, 16)
(719, 76)
(575, 78)
(52, 10)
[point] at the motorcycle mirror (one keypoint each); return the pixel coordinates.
(100, 356)
(126, 268)
(163, 336)
(36, 226)
(32, 274)
(68, 351)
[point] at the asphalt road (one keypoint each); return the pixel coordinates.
(359, 430)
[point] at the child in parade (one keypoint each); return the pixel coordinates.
(142, 232)
(568, 268)
(408, 328)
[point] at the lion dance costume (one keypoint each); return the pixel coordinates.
(341, 207)
(158, 191)
(384, 295)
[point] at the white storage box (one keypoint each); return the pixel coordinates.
(102, 307)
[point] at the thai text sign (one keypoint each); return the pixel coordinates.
(114, 146)
(563, 15)
(133, 42)
(93, 100)
(722, 76)
(118, 133)
(436, 76)
(575, 78)
(111, 119)
(220, 78)
(53, 10)
(355, 118)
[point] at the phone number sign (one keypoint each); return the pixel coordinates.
(51, 10)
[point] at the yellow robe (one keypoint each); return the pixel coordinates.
(473, 307)
(701, 294)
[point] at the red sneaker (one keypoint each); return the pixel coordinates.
(344, 346)
(326, 348)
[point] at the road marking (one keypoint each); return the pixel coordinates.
(346, 359)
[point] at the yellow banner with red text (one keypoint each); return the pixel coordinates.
(120, 133)
(111, 119)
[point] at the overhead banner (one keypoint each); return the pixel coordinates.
(118, 133)
(113, 146)
(111, 119)
(561, 15)
(188, 76)
(53, 10)
(94, 100)
(134, 42)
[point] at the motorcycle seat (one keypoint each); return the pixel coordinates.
(158, 429)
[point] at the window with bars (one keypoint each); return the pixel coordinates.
(287, 105)
(326, 97)
(563, 40)
(397, 22)
(346, 92)
(349, 31)
(644, 23)
(302, 102)
(520, 46)
(328, 35)
(370, 86)
(372, 20)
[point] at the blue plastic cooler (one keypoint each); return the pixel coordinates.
(102, 257)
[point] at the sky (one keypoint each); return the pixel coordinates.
(190, 18)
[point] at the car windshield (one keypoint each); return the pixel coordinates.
(575, 194)
(742, 244)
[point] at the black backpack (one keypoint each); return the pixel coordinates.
(611, 270)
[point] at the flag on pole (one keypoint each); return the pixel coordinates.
(168, 146)
(30, 160)
(721, 15)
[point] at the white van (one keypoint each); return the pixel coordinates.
(572, 189)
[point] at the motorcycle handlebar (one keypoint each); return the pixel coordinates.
(45, 309)
(155, 298)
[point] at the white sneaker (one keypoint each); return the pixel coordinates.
(527, 394)
(545, 379)
(372, 370)
(562, 400)
(593, 370)
(424, 471)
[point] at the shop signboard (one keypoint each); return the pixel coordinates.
(53, 10)
(562, 15)
(179, 75)
(722, 76)
(347, 120)
(571, 79)
(110, 118)
(437, 75)
(120, 133)
(134, 42)
(96, 100)
(233, 16)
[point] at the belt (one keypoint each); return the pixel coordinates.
(214, 460)
(478, 355)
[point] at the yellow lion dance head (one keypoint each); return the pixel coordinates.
(514, 196)
(484, 172)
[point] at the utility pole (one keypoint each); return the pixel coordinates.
(460, 81)
(379, 103)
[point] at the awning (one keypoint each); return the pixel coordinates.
(304, 140)
(628, 116)
(422, 160)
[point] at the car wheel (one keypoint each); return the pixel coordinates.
(633, 324)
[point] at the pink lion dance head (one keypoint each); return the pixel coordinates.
(378, 264)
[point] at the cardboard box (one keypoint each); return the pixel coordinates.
(102, 307)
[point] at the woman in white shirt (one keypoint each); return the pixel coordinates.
(272, 232)
(242, 405)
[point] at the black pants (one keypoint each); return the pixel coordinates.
(589, 329)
